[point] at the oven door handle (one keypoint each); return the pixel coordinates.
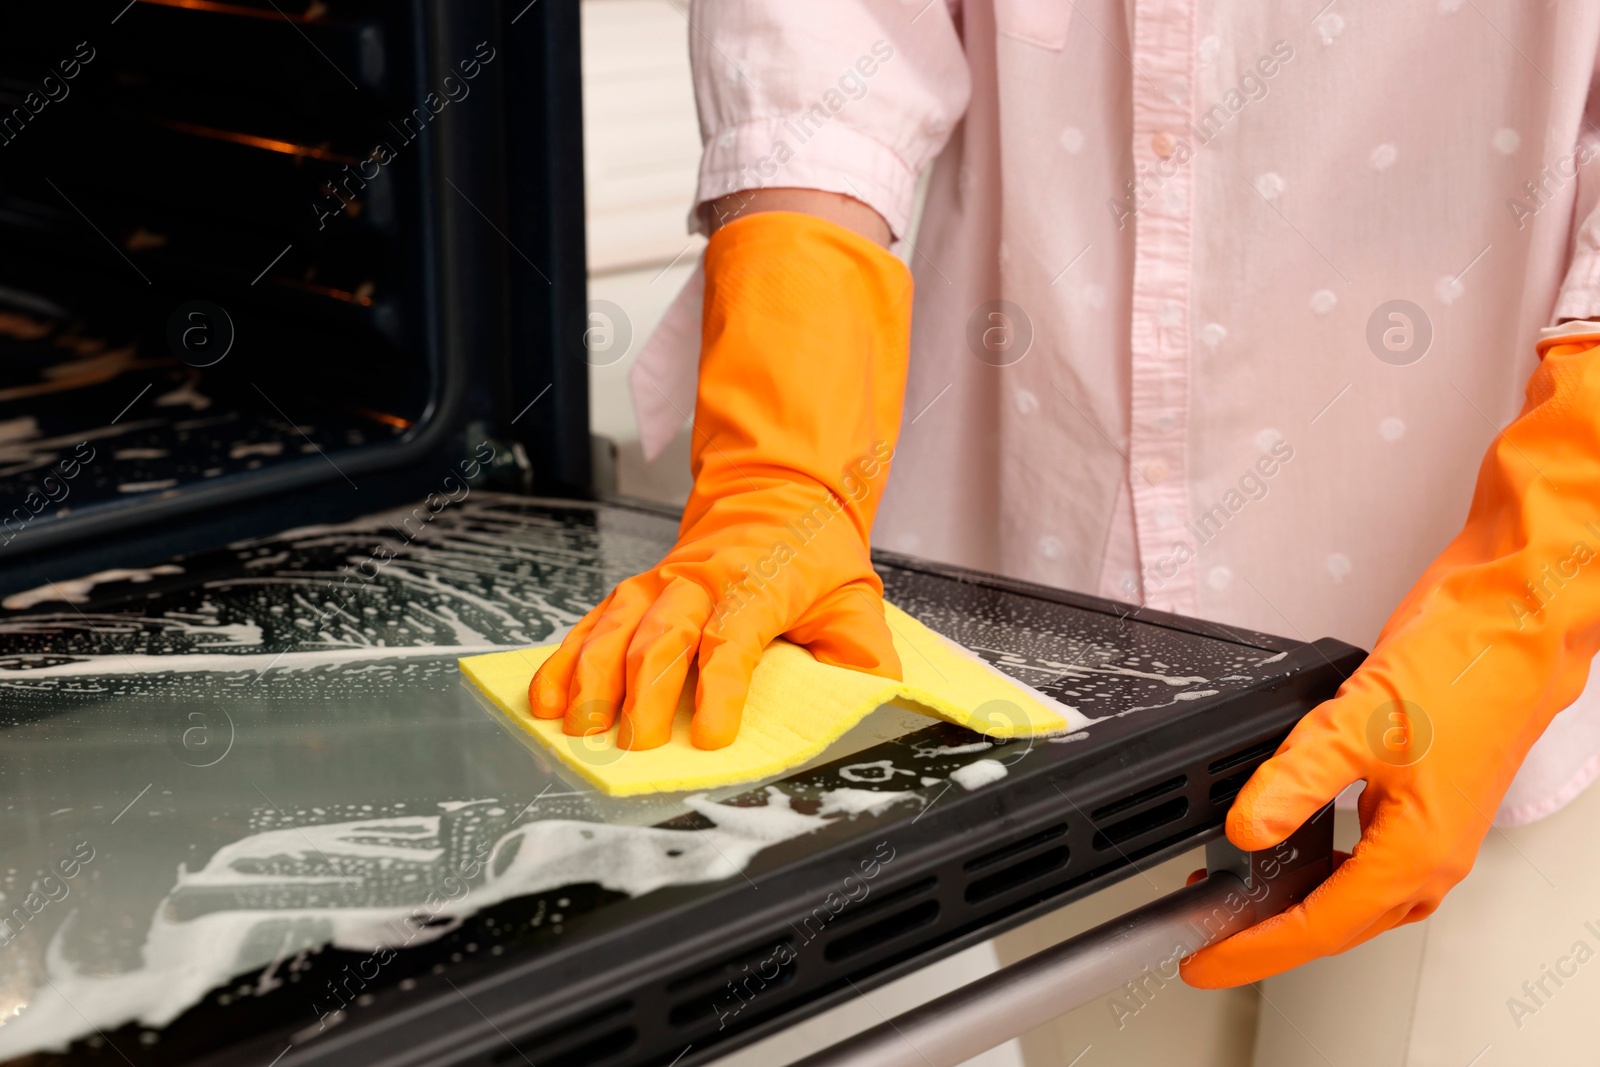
(1239, 890)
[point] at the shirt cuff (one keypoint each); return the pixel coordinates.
(777, 153)
(1580, 292)
(1578, 327)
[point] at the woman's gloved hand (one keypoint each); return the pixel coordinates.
(802, 377)
(1492, 642)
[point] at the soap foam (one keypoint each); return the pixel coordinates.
(978, 774)
(184, 958)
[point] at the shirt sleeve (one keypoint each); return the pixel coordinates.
(1580, 289)
(852, 96)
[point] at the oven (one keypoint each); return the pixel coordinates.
(293, 410)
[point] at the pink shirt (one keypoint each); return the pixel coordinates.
(1199, 393)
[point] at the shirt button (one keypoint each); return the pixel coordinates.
(1164, 424)
(1156, 472)
(1162, 144)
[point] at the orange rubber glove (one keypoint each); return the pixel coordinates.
(804, 352)
(1494, 640)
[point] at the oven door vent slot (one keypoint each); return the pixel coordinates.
(592, 1054)
(740, 989)
(1223, 790)
(1141, 824)
(882, 932)
(1018, 874)
(1133, 800)
(731, 982)
(589, 1040)
(730, 966)
(1244, 755)
(1016, 848)
(855, 912)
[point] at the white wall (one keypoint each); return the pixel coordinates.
(641, 153)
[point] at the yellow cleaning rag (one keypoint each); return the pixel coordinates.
(796, 708)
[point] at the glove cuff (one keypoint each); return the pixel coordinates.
(804, 351)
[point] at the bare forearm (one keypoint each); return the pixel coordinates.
(834, 207)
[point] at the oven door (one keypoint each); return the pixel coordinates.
(253, 811)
